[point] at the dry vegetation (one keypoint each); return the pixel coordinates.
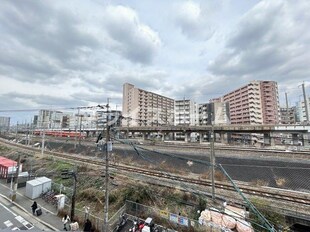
(91, 185)
(281, 182)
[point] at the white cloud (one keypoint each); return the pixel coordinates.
(131, 38)
(83, 52)
(194, 20)
(271, 42)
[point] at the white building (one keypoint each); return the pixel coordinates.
(4, 123)
(185, 112)
(214, 113)
(114, 118)
(52, 119)
(301, 111)
(83, 120)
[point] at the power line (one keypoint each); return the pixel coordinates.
(51, 109)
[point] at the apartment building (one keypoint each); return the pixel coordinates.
(144, 108)
(185, 112)
(4, 123)
(288, 115)
(52, 119)
(215, 112)
(82, 120)
(301, 111)
(114, 118)
(270, 102)
(254, 103)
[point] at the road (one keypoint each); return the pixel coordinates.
(13, 218)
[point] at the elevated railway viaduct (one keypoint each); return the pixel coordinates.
(299, 133)
(224, 131)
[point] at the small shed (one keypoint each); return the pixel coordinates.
(46, 183)
(7, 166)
(22, 178)
(35, 187)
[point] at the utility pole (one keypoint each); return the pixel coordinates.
(212, 160)
(73, 197)
(76, 124)
(287, 113)
(66, 174)
(43, 141)
(16, 131)
(305, 101)
(108, 148)
(31, 133)
(80, 120)
(14, 190)
(212, 153)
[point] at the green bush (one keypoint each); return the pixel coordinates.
(276, 219)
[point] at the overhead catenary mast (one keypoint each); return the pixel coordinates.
(306, 102)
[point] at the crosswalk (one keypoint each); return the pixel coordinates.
(24, 225)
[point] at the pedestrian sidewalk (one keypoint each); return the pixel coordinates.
(49, 212)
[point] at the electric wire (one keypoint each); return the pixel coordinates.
(200, 161)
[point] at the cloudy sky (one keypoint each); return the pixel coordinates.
(78, 53)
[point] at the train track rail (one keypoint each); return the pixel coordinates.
(230, 148)
(292, 197)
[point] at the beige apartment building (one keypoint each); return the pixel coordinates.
(144, 108)
(254, 103)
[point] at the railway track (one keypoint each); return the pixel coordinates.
(292, 197)
(230, 148)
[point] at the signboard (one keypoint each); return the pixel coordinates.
(183, 221)
(109, 146)
(164, 214)
(179, 219)
(173, 218)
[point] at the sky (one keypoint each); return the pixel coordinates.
(73, 53)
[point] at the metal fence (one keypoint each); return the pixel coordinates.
(168, 221)
(80, 214)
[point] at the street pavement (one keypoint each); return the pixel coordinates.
(18, 215)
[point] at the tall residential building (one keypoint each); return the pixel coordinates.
(254, 103)
(50, 119)
(143, 108)
(215, 112)
(270, 102)
(301, 111)
(101, 118)
(185, 112)
(288, 115)
(4, 123)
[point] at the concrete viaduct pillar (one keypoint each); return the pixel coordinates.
(144, 135)
(269, 140)
(200, 137)
(295, 139)
(187, 137)
(223, 137)
(305, 139)
(126, 134)
(163, 136)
